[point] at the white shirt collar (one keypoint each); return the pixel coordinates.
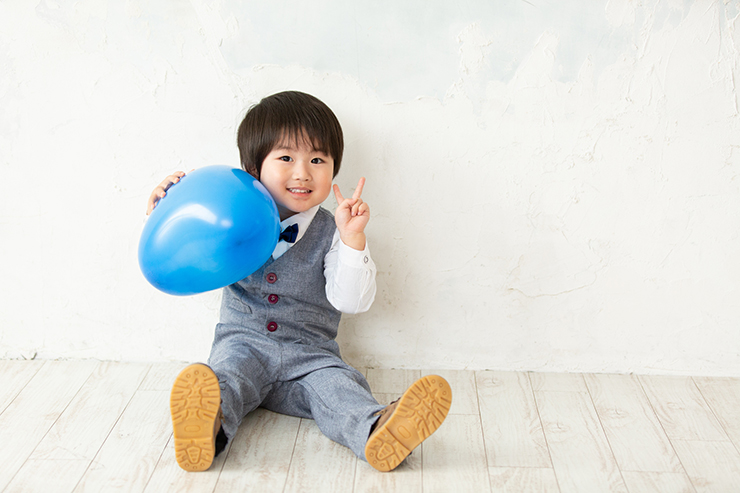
(303, 220)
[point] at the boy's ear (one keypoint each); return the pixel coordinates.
(252, 170)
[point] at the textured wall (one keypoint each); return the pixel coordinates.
(554, 185)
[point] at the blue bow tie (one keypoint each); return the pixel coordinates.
(289, 234)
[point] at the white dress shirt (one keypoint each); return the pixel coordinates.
(349, 273)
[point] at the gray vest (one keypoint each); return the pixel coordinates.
(285, 299)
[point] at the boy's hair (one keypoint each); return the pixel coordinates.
(288, 116)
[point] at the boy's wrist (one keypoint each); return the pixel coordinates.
(355, 241)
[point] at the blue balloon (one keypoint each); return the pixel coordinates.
(214, 227)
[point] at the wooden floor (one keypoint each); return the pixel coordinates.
(98, 426)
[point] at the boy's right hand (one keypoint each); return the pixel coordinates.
(161, 190)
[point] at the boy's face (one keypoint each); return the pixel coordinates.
(297, 176)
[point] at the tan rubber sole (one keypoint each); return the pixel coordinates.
(418, 414)
(195, 402)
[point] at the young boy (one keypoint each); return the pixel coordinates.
(275, 344)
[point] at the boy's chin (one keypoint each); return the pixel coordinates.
(294, 209)
(286, 212)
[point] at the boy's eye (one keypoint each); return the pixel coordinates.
(317, 160)
(285, 158)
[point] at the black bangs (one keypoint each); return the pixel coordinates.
(295, 135)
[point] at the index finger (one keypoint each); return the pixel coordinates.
(338, 194)
(358, 190)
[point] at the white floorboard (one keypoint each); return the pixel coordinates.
(581, 456)
(634, 432)
(16, 374)
(711, 466)
(723, 396)
(319, 464)
(27, 419)
(455, 457)
(128, 457)
(75, 426)
(523, 480)
(79, 432)
(261, 453)
(512, 428)
(682, 409)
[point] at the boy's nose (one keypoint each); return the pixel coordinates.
(301, 171)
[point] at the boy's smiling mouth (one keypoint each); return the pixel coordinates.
(299, 190)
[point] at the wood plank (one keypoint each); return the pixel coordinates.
(33, 412)
(523, 480)
(168, 476)
(320, 464)
(385, 399)
(454, 458)
(63, 410)
(658, 482)
(260, 455)
(386, 381)
(59, 476)
(723, 396)
(464, 395)
(711, 466)
(161, 376)
(580, 451)
(511, 424)
(634, 432)
(15, 375)
(83, 427)
(681, 408)
(406, 478)
(558, 382)
(127, 459)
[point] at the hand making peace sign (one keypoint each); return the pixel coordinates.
(351, 216)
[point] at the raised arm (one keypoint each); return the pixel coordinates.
(351, 216)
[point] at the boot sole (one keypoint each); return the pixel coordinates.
(418, 414)
(195, 401)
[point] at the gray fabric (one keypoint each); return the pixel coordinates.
(297, 368)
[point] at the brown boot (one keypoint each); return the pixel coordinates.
(407, 422)
(195, 406)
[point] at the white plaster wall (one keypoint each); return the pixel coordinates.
(554, 185)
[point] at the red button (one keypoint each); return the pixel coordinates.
(273, 298)
(271, 277)
(272, 326)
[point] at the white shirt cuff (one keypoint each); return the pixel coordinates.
(358, 259)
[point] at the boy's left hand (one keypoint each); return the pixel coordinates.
(351, 216)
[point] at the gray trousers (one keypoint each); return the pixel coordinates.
(294, 378)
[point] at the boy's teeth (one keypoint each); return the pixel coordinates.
(295, 190)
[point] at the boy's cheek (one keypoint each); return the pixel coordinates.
(271, 189)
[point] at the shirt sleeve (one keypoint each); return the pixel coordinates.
(350, 277)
